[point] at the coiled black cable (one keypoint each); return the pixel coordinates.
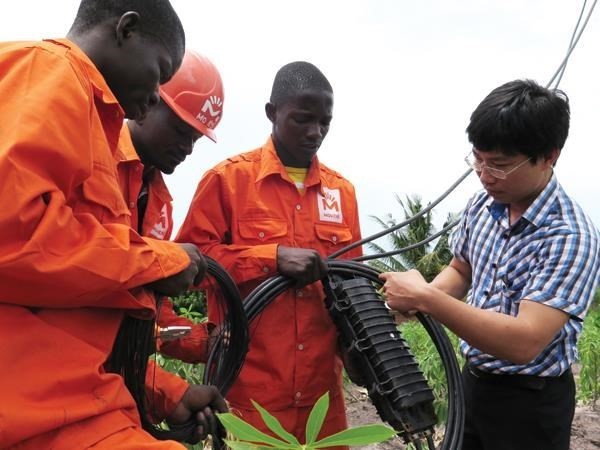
(228, 353)
(267, 291)
(129, 358)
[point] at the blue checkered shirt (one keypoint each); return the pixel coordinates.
(550, 255)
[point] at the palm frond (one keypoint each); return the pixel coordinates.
(429, 258)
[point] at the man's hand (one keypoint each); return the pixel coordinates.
(303, 265)
(214, 333)
(403, 291)
(202, 402)
(180, 282)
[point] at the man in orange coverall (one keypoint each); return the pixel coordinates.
(277, 209)
(71, 268)
(191, 107)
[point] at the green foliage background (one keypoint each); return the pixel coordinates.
(588, 381)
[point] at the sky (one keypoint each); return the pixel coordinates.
(406, 77)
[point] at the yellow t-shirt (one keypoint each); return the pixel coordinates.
(298, 175)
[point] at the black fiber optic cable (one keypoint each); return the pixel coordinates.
(408, 247)
(402, 224)
(271, 288)
(231, 345)
(228, 353)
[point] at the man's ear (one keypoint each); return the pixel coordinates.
(553, 157)
(271, 111)
(127, 24)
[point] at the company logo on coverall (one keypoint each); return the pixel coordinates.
(212, 106)
(159, 231)
(330, 205)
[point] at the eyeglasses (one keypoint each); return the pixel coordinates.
(478, 166)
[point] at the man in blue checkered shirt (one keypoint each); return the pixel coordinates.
(528, 258)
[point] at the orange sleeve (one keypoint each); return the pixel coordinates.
(53, 251)
(192, 348)
(207, 225)
(354, 227)
(164, 391)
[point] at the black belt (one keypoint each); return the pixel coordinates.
(517, 380)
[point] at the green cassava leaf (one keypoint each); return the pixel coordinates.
(316, 418)
(247, 432)
(242, 445)
(364, 435)
(275, 426)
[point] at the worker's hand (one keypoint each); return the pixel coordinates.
(192, 275)
(303, 265)
(202, 402)
(214, 333)
(404, 291)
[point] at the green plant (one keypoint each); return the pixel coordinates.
(249, 438)
(588, 390)
(191, 305)
(596, 299)
(192, 373)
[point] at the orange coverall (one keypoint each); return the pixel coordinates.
(158, 223)
(70, 265)
(242, 210)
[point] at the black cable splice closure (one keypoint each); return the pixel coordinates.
(268, 291)
(456, 413)
(390, 372)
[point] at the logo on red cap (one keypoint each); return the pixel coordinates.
(212, 107)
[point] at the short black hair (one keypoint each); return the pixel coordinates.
(297, 76)
(521, 117)
(158, 19)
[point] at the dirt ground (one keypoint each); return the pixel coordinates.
(585, 434)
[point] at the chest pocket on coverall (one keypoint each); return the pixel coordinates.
(331, 235)
(263, 231)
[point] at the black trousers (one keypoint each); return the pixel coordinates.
(516, 412)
